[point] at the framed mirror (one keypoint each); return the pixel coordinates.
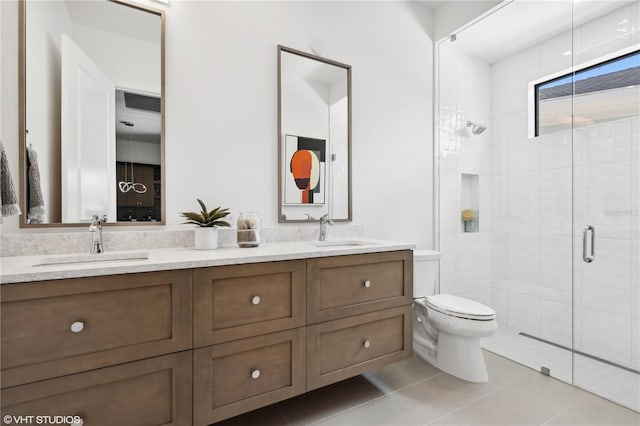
(91, 101)
(314, 137)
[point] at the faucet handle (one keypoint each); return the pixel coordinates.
(97, 219)
(325, 219)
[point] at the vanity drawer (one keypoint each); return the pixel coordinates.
(234, 302)
(54, 328)
(236, 377)
(342, 286)
(155, 391)
(343, 348)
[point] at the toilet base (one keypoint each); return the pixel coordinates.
(461, 357)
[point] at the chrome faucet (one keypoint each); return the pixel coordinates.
(324, 220)
(96, 233)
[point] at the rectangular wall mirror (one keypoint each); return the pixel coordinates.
(91, 113)
(314, 137)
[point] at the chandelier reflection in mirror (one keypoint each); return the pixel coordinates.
(138, 187)
(130, 185)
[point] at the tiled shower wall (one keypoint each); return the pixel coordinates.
(521, 261)
(532, 206)
(464, 94)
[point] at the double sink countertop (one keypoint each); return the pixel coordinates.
(20, 269)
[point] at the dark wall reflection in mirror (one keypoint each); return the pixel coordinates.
(91, 112)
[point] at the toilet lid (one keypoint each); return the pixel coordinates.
(460, 307)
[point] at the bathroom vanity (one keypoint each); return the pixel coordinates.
(188, 337)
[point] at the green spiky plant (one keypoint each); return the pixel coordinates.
(206, 218)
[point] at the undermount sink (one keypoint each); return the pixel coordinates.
(86, 258)
(342, 243)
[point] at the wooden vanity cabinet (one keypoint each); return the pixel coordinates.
(235, 377)
(154, 391)
(113, 350)
(197, 346)
(360, 304)
(238, 301)
(55, 328)
(339, 349)
(349, 327)
(343, 286)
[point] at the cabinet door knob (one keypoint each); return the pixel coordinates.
(366, 344)
(255, 374)
(255, 300)
(367, 283)
(77, 326)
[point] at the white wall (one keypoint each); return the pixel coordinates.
(305, 112)
(1, 35)
(9, 94)
(391, 105)
(338, 135)
(221, 106)
(130, 63)
(132, 151)
(47, 21)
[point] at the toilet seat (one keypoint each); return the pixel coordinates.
(459, 307)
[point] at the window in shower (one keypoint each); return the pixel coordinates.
(605, 91)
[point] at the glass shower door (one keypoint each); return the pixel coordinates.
(606, 204)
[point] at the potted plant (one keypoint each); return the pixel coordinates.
(206, 234)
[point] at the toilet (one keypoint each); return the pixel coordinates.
(446, 328)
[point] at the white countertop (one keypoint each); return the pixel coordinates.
(26, 269)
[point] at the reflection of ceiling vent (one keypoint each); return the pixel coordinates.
(146, 103)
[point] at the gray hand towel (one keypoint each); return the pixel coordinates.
(8, 197)
(36, 200)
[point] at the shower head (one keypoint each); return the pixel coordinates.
(476, 128)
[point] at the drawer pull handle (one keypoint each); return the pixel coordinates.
(77, 326)
(255, 300)
(255, 374)
(366, 344)
(367, 283)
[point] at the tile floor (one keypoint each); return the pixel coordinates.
(613, 383)
(412, 392)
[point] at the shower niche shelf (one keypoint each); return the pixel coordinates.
(469, 195)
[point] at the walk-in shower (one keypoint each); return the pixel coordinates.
(553, 174)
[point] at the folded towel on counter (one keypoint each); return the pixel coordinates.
(36, 200)
(8, 197)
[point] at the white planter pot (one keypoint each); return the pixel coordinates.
(206, 238)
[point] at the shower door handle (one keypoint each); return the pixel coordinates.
(588, 258)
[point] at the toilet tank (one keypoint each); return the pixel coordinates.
(425, 271)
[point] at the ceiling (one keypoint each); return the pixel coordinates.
(116, 18)
(145, 126)
(524, 23)
(434, 4)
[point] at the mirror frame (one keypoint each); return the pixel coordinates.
(347, 68)
(22, 120)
